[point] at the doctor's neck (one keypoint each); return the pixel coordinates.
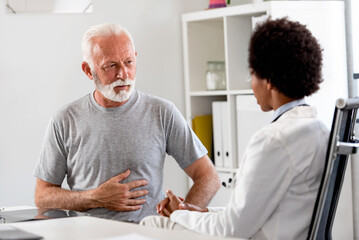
(279, 99)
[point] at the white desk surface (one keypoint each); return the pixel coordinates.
(96, 228)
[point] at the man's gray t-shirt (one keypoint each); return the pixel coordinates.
(90, 144)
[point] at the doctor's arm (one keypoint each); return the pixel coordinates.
(262, 183)
(111, 194)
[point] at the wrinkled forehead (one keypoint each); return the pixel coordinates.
(110, 45)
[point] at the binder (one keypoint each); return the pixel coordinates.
(250, 118)
(226, 143)
(217, 133)
(221, 135)
(202, 127)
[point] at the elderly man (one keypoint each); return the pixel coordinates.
(111, 144)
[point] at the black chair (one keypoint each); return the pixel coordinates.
(341, 144)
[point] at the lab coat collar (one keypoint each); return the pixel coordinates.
(286, 107)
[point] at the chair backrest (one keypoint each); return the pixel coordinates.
(341, 144)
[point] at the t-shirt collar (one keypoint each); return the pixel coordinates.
(114, 109)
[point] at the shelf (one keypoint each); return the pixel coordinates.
(245, 9)
(262, 7)
(208, 93)
(240, 92)
(230, 170)
(220, 93)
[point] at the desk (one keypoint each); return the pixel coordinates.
(78, 228)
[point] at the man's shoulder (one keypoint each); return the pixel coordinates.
(154, 100)
(72, 108)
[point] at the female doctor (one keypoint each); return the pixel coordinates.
(282, 166)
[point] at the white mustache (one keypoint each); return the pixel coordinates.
(120, 82)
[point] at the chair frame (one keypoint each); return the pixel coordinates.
(342, 143)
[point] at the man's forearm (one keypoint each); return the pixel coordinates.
(55, 197)
(111, 194)
(202, 191)
(205, 182)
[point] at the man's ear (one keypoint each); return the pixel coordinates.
(87, 70)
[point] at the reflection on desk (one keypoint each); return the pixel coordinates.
(86, 227)
(31, 214)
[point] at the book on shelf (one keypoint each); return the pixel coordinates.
(202, 127)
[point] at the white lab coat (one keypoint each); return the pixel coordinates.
(277, 186)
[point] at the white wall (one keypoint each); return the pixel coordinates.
(40, 70)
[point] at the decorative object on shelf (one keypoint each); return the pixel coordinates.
(216, 75)
(217, 3)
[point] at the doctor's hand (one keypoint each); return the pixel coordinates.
(169, 204)
(117, 196)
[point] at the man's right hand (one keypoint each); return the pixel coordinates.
(112, 195)
(117, 196)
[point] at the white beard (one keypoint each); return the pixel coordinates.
(108, 91)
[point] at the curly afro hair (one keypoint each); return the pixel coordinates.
(288, 56)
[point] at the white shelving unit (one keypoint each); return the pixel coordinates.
(223, 35)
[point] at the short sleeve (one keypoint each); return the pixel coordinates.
(181, 142)
(51, 166)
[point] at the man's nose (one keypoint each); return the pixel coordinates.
(122, 73)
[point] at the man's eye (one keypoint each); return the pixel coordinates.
(110, 67)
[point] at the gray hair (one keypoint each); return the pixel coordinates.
(101, 30)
